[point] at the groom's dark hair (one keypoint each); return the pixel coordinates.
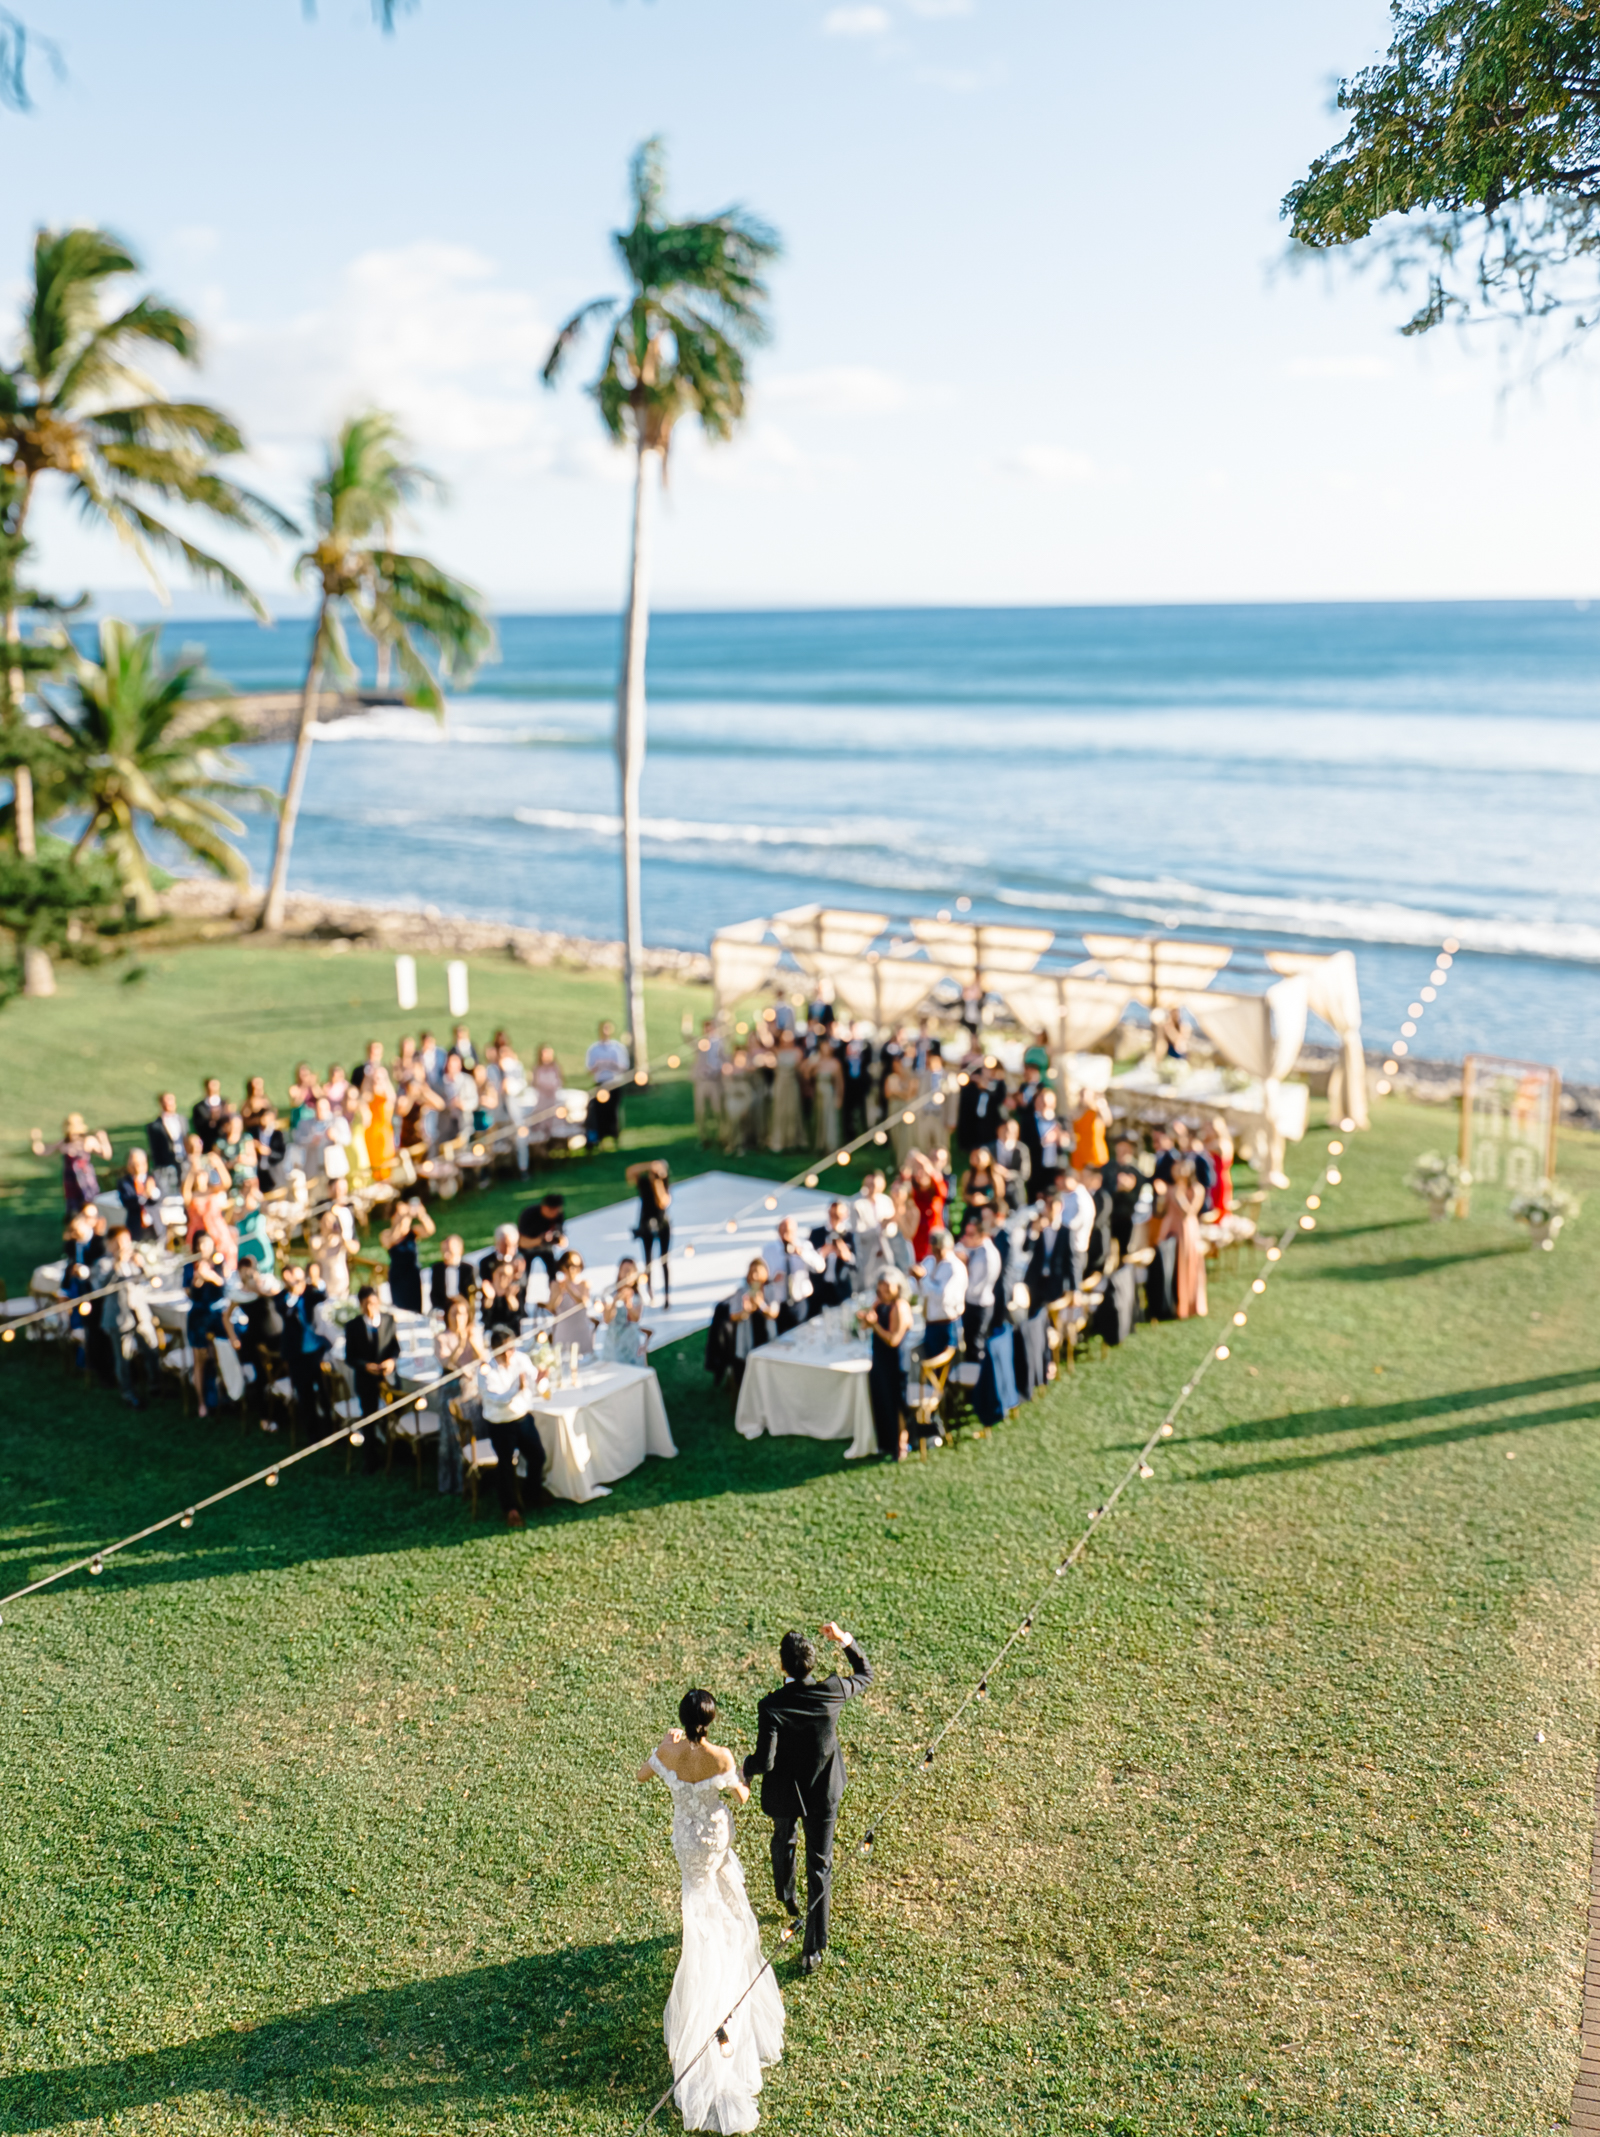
(796, 1654)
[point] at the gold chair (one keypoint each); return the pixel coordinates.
(931, 1379)
(477, 1455)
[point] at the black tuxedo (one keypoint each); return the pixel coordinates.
(364, 1345)
(165, 1146)
(207, 1119)
(837, 1285)
(1100, 1238)
(801, 1767)
(1050, 1275)
(438, 1296)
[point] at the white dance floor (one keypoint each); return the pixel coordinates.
(702, 1210)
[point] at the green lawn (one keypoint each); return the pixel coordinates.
(321, 1817)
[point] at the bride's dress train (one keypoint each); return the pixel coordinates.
(721, 1952)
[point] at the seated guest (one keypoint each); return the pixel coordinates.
(164, 1140)
(751, 1314)
(504, 1254)
(502, 1302)
(372, 1352)
(460, 1350)
(124, 1314)
(792, 1265)
(206, 1282)
(981, 1259)
(141, 1200)
(835, 1242)
(1014, 1161)
(542, 1231)
(507, 1391)
(451, 1277)
(569, 1304)
(942, 1281)
(408, 1226)
(210, 1113)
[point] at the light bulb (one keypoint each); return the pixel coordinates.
(1027, 1623)
(983, 1688)
(1313, 1202)
(688, 1253)
(1145, 1470)
(941, 916)
(786, 1932)
(961, 1080)
(723, 2041)
(97, 1565)
(477, 1150)
(705, 1046)
(963, 905)
(880, 1137)
(1308, 1224)
(1222, 1351)
(673, 1061)
(358, 1437)
(1390, 1068)
(1429, 994)
(271, 1476)
(811, 1179)
(8, 1335)
(84, 1309)
(1450, 947)
(186, 1521)
(1399, 1048)
(927, 1756)
(1239, 1320)
(641, 1076)
(909, 1119)
(1382, 1087)
(1415, 1010)
(561, 1112)
(732, 1227)
(1259, 1285)
(1333, 1176)
(1166, 1432)
(1437, 978)
(843, 1158)
(1336, 1150)
(772, 1201)
(741, 1029)
(866, 1846)
(1274, 1253)
(1408, 1029)
(1347, 1127)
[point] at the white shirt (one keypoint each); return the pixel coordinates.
(944, 1290)
(792, 1269)
(345, 1218)
(1078, 1212)
(507, 1386)
(872, 1212)
(607, 1057)
(453, 1272)
(983, 1272)
(709, 1064)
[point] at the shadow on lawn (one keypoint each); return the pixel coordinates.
(1412, 1443)
(583, 2020)
(1382, 1272)
(1357, 1417)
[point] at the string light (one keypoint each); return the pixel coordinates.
(673, 1061)
(909, 1120)
(1222, 1351)
(843, 1158)
(1336, 1149)
(811, 1179)
(772, 1201)
(1146, 1471)
(271, 1477)
(723, 2042)
(1259, 1285)
(97, 1564)
(186, 1520)
(1274, 1253)
(1313, 1202)
(1308, 1224)
(880, 1138)
(8, 1335)
(1239, 1319)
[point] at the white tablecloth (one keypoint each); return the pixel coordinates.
(808, 1394)
(601, 1430)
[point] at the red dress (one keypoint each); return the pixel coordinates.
(930, 1196)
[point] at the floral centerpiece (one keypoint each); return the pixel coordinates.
(1544, 1210)
(1438, 1179)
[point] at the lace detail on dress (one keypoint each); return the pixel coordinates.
(721, 1955)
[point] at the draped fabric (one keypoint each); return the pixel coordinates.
(901, 983)
(851, 978)
(1259, 1033)
(1075, 1012)
(741, 960)
(967, 947)
(1164, 971)
(1333, 995)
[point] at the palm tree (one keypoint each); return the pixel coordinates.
(140, 741)
(366, 485)
(676, 348)
(73, 405)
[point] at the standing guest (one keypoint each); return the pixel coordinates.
(901, 1088)
(835, 1242)
(708, 1084)
(503, 1254)
(1185, 1144)
(788, 1126)
(272, 1150)
(451, 1278)
(211, 1111)
(303, 1347)
(1218, 1147)
(205, 1199)
(337, 1088)
(608, 1063)
(260, 1343)
(1052, 1152)
(981, 1259)
(1049, 1274)
(1172, 1042)
(793, 1264)
(942, 1282)
(622, 1335)
(141, 1200)
(372, 1352)
(333, 1254)
(78, 1148)
(237, 1151)
(507, 1391)
(972, 999)
(981, 1106)
(930, 1193)
(432, 1057)
(206, 1282)
(888, 1320)
(1037, 1056)
(408, 1226)
(461, 1043)
(569, 1305)
(460, 1095)
(982, 1185)
(1180, 1221)
(1130, 1199)
(254, 1102)
(164, 1137)
(1089, 1133)
(303, 1094)
(502, 1302)
(378, 1104)
(827, 1085)
(1097, 1255)
(751, 1314)
(251, 1240)
(653, 1227)
(1078, 1215)
(542, 1231)
(125, 1311)
(460, 1350)
(415, 1103)
(549, 1081)
(342, 1210)
(1022, 1109)
(855, 1065)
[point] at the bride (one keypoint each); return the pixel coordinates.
(721, 1942)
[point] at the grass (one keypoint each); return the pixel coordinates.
(321, 1818)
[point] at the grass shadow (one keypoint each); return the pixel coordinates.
(1412, 1443)
(1382, 1272)
(497, 2039)
(1354, 1417)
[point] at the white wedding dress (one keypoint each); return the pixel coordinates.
(721, 1955)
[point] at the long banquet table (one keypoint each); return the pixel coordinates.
(808, 1391)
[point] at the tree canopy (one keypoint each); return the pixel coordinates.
(1472, 161)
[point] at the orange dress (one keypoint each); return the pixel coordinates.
(379, 1133)
(1089, 1149)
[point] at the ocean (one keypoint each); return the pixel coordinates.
(1377, 776)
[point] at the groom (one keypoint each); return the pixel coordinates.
(802, 1773)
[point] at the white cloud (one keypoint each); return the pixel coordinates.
(839, 389)
(1345, 367)
(1052, 464)
(854, 21)
(939, 10)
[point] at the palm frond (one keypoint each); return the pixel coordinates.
(186, 479)
(209, 570)
(69, 267)
(99, 359)
(561, 348)
(175, 424)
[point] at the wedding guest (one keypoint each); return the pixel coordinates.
(460, 1350)
(124, 1314)
(1097, 1254)
(569, 1305)
(408, 1226)
(303, 1094)
(1185, 1145)
(337, 1088)
(210, 1112)
(548, 1083)
(333, 1255)
(205, 1200)
(888, 1321)
(751, 1314)
(1078, 1215)
(259, 1343)
(206, 1282)
(461, 1043)
(140, 1197)
(1171, 1040)
(504, 1255)
(855, 1066)
(303, 1346)
(942, 1282)
(507, 1391)
(342, 1210)
(653, 1226)
(981, 1106)
(827, 1092)
(792, 1265)
(1218, 1148)
(542, 1231)
(1050, 1274)
(1052, 1156)
(607, 1062)
(237, 1151)
(901, 1089)
(981, 1259)
(1130, 1200)
(1014, 1161)
(372, 1353)
(708, 1084)
(1180, 1221)
(930, 1193)
(451, 1278)
(835, 1242)
(502, 1303)
(78, 1148)
(623, 1337)
(254, 1103)
(272, 1150)
(432, 1057)
(788, 1126)
(164, 1138)
(1089, 1133)
(741, 1103)
(982, 1185)
(251, 1242)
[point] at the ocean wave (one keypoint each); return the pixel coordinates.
(865, 834)
(1171, 902)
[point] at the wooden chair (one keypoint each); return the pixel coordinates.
(414, 1429)
(178, 1359)
(929, 1402)
(477, 1455)
(340, 1401)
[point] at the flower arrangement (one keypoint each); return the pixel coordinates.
(1545, 1204)
(1436, 1178)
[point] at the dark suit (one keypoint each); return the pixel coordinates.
(517, 1298)
(207, 1119)
(798, 1758)
(165, 1146)
(1050, 1275)
(364, 1345)
(839, 1282)
(439, 1296)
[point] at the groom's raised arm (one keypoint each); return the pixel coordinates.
(860, 1670)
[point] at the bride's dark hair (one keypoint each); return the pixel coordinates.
(697, 1711)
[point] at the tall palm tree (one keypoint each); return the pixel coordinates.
(73, 405)
(365, 487)
(695, 305)
(144, 742)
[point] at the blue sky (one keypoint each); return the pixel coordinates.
(1031, 340)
